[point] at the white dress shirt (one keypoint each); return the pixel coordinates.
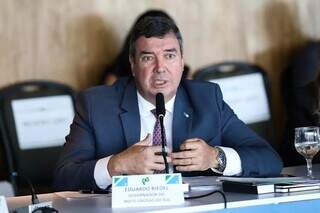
(147, 122)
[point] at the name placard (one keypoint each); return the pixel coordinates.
(3, 205)
(147, 190)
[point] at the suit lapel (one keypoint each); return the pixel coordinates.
(182, 119)
(130, 118)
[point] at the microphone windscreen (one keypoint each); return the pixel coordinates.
(160, 107)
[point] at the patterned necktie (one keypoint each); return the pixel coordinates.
(156, 136)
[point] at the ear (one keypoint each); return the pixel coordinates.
(131, 60)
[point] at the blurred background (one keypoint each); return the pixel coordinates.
(73, 41)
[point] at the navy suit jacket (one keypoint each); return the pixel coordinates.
(107, 121)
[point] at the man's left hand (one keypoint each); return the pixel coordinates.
(195, 155)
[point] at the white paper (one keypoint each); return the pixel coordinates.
(246, 95)
(3, 205)
(42, 121)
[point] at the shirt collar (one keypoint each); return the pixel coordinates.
(145, 106)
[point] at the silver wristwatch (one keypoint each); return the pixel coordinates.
(221, 158)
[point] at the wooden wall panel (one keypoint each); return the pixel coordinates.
(71, 41)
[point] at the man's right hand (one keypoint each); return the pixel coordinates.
(137, 159)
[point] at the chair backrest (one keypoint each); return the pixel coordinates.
(246, 89)
(35, 118)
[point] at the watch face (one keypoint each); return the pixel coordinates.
(221, 158)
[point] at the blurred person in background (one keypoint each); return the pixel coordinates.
(301, 87)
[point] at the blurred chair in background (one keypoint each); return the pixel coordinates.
(245, 88)
(6, 188)
(35, 117)
(301, 86)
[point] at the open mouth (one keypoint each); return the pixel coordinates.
(159, 83)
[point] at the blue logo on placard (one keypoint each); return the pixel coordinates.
(122, 181)
(172, 179)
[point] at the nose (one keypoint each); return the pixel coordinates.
(160, 65)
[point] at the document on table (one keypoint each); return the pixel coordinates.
(272, 180)
(201, 181)
(70, 195)
(201, 184)
(254, 185)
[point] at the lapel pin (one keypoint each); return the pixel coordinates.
(186, 115)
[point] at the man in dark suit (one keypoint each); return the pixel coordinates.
(112, 132)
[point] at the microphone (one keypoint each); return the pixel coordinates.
(160, 108)
(34, 197)
(36, 204)
(160, 112)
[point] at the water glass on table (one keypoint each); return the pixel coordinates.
(307, 143)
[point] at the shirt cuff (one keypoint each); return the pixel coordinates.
(233, 162)
(101, 173)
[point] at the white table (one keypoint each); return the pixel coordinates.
(102, 203)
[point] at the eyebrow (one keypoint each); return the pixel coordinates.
(171, 50)
(149, 53)
(145, 52)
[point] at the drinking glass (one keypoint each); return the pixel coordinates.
(307, 144)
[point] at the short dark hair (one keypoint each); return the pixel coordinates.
(153, 26)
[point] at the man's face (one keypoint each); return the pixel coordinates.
(157, 66)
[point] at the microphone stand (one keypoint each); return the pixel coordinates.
(163, 150)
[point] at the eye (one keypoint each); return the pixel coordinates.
(170, 56)
(146, 58)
